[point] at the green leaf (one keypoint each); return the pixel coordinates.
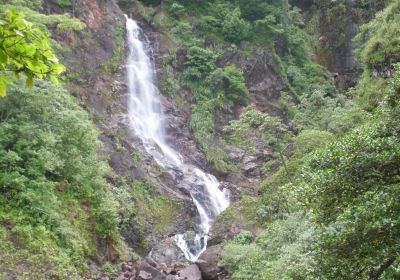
(3, 57)
(3, 89)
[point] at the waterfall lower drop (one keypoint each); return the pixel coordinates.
(147, 121)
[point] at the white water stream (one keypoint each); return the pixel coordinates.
(147, 120)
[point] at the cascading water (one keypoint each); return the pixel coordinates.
(147, 121)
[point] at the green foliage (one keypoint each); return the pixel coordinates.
(168, 83)
(200, 63)
(55, 204)
(309, 78)
(280, 252)
(234, 28)
(208, 24)
(25, 49)
(183, 34)
(109, 269)
(31, 4)
(63, 23)
(64, 3)
(231, 81)
(379, 39)
(253, 126)
(369, 91)
(176, 10)
(257, 9)
(147, 12)
(254, 121)
(244, 238)
(211, 87)
(325, 214)
(352, 186)
(309, 140)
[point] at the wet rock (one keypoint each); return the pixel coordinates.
(168, 255)
(208, 262)
(192, 272)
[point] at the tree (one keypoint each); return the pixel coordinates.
(25, 49)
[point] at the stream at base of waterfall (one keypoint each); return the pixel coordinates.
(146, 119)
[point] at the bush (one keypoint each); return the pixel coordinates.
(176, 10)
(379, 43)
(234, 28)
(200, 62)
(283, 251)
(230, 80)
(208, 24)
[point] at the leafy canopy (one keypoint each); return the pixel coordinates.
(25, 49)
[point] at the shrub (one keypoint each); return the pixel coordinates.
(176, 10)
(230, 80)
(234, 28)
(379, 43)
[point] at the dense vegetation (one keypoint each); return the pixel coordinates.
(55, 202)
(56, 208)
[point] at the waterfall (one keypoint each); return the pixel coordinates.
(146, 118)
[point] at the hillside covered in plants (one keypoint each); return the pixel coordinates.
(200, 140)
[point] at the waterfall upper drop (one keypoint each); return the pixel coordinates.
(145, 114)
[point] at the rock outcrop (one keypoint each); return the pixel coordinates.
(208, 263)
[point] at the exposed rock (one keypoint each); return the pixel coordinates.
(251, 166)
(208, 263)
(344, 61)
(120, 277)
(149, 272)
(129, 274)
(168, 255)
(143, 275)
(192, 272)
(125, 267)
(261, 75)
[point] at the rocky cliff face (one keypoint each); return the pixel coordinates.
(336, 34)
(97, 77)
(103, 93)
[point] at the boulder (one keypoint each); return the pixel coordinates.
(143, 275)
(192, 272)
(208, 262)
(146, 270)
(126, 267)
